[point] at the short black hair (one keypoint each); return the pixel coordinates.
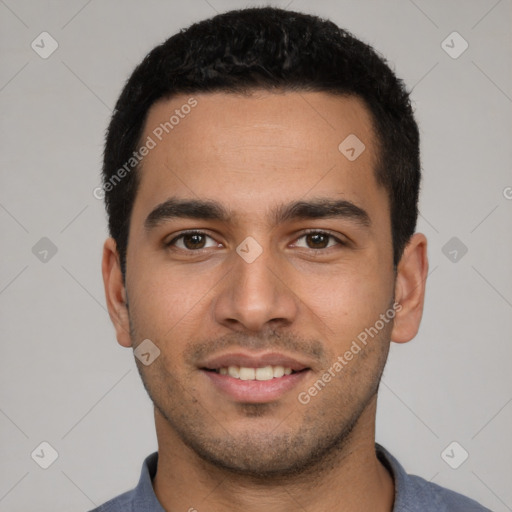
(272, 49)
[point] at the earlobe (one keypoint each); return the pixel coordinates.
(115, 292)
(410, 289)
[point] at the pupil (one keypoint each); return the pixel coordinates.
(194, 241)
(317, 240)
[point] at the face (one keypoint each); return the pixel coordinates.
(257, 248)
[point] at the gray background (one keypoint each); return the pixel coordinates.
(64, 378)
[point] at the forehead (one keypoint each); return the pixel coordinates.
(253, 151)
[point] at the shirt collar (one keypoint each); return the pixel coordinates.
(144, 493)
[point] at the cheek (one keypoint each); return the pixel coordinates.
(347, 301)
(170, 299)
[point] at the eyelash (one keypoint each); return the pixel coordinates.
(339, 242)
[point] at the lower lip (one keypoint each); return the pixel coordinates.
(255, 391)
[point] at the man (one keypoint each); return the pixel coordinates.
(261, 178)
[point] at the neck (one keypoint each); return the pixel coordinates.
(349, 479)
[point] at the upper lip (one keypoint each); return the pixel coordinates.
(253, 361)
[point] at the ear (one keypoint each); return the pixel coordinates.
(115, 292)
(410, 289)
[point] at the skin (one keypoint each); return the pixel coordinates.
(306, 299)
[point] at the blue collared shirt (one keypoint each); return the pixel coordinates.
(412, 493)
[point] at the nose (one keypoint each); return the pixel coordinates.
(256, 295)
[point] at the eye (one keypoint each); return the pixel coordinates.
(318, 240)
(192, 241)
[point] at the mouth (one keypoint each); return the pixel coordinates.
(262, 373)
(254, 379)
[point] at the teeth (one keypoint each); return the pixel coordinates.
(278, 371)
(264, 373)
(234, 371)
(247, 373)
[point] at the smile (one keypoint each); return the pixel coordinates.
(263, 373)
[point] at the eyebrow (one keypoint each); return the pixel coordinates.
(321, 208)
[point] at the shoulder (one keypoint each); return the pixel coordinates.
(415, 494)
(123, 503)
(142, 497)
(429, 496)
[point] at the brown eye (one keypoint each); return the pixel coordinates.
(317, 240)
(193, 241)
